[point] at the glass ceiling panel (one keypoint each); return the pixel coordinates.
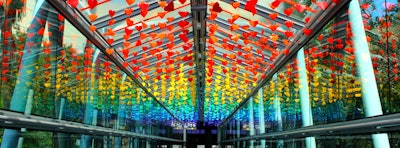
(155, 39)
(245, 38)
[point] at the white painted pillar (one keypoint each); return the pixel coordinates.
(261, 120)
(306, 112)
(28, 111)
(370, 94)
(251, 121)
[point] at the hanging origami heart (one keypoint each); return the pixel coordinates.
(234, 27)
(128, 31)
(92, 28)
(129, 22)
(138, 28)
(143, 8)
(182, 1)
(111, 13)
(153, 35)
(289, 24)
(251, 6)
(110, 41)
(170, 6)
(235, 4)
(73, 3)
(253, 23)
(144, 25)
(162, 25)
(322, 5)
(183, 23)
(307, 19)
(111, 22)
(143, 13)
(183, 13)
(130, 2)
(138, 43)
(92, 17)
(183, 37)
(128, 11)
(170, 19)
(275, 4)
(170, 27)
(273, 16)
(212, 16)
(110, 51)
(288, 11)
(216, 7)
(162, 14)
(126, 44)
(300, 7)
(307, 32)
(92, 3)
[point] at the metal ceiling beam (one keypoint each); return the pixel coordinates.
(163, 46)
(224, 25)
(199, 13)
(264, 12)
(77, 20)
(136, 36)
(317, 23)
(121, 16)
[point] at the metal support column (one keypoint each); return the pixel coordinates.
(251, 121)
(261, 120)
(277, 110)
(306, 112)
(370, 94)
(238, 131)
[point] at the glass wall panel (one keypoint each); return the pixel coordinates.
(340, 73)
(52, 70)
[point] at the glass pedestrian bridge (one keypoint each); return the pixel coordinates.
(199, 73)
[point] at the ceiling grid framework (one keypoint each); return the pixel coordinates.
(201, 59)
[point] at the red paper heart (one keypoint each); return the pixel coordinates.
(273, 16)
(130, 2)
(235, 4)
(183, 37)
(288, 11)
(275, 4)
(143, 13)
(92, 3)
(251, 6)
(170, 6)
(322, 5)
(288, 34)
(216, 7)
(182, 1)
(138, 28)
(307, 32)
(183, 13)
(183, 23)
(162, 14)
(111, 13)
(128, 11)
(224, 63)
(110, 41)
(129, 22)
(289, 24)
(73, 3)
(300, 7)
(128, 31)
